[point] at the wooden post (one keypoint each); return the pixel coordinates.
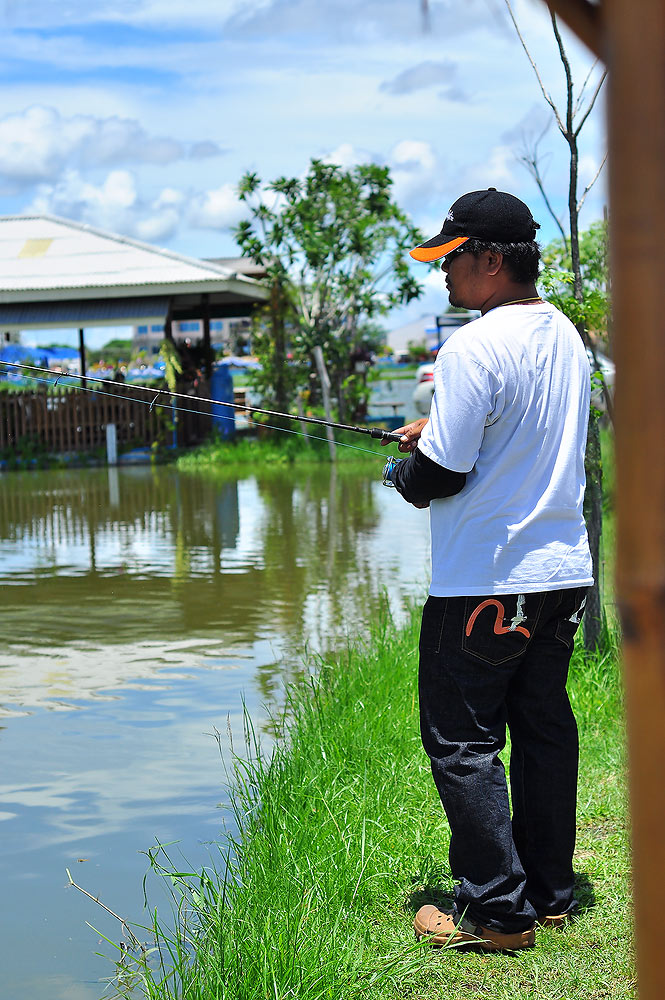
(636, 51)
(325, 390)
(586, 20)
(632, 40)
(82, 357)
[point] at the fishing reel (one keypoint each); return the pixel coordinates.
(388, 470)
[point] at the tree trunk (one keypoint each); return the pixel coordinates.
(593, 497)
(279, 340)
(574, 225)
(593, 514)
(342, 414)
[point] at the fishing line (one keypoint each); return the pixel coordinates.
(185, 409)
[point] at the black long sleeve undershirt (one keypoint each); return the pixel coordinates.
(419, 480)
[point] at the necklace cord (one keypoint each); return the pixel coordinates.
(520, 302)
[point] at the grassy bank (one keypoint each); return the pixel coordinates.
(343, 838)
(283, 449)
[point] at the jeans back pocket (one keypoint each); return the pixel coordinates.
(572, 610)
(497, 628)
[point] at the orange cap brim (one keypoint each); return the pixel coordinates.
(426, 254)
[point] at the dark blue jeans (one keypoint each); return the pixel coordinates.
(486, 662)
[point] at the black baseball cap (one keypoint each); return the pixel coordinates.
(492, 216)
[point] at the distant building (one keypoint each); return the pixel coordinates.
(230, 334)
(429, 330)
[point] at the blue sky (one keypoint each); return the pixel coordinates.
(139, 116)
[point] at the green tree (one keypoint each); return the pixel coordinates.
(335, 246)
(592, 309)
(113, 351)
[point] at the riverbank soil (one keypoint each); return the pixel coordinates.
(343, 838)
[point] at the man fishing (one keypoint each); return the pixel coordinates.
(500, 464)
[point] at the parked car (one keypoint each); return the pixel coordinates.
(422, 394)
(607, 370)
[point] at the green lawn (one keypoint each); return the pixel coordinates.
(343, 837)
(276, 450)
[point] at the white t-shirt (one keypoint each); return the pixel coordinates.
(510, 408)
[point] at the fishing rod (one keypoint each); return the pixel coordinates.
(373, 432)
(187, 409)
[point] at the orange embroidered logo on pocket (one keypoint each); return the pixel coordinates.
(499, 628)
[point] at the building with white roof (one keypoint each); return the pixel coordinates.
(59, 273)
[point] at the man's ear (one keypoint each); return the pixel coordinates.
(494, 262)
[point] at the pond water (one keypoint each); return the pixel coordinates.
(141, 610)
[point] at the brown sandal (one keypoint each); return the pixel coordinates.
(440, 929)
(558, 920)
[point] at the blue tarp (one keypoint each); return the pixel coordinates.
(16, 353)
(40, 357)
(61, 353)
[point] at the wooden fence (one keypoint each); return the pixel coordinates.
(66, 420)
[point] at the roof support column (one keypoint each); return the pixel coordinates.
(168, 324)
(82, 356)
(207, 347)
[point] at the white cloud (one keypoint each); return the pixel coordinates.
(418, 174)
(217, 209)
(73, 197)
(330, 20)
(287, 79)
(499, 169)
(413, 155)
(204, 150)
(347, 155)
(425, 74)
(348, 22)
(38, 143)
(115, 204)
(158, 12)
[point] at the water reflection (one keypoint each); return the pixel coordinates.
(140, 610)
(162, 569)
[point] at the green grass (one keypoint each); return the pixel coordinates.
(280, 449)
(342, 837)
(404, 371)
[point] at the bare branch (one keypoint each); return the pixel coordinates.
(584, 86)
(545, 93)
(568, 132)
(530, 158)
(125, 926)
(591, 184)
(591, 104)
(535, 173)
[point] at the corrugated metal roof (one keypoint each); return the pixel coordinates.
(44, 254)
